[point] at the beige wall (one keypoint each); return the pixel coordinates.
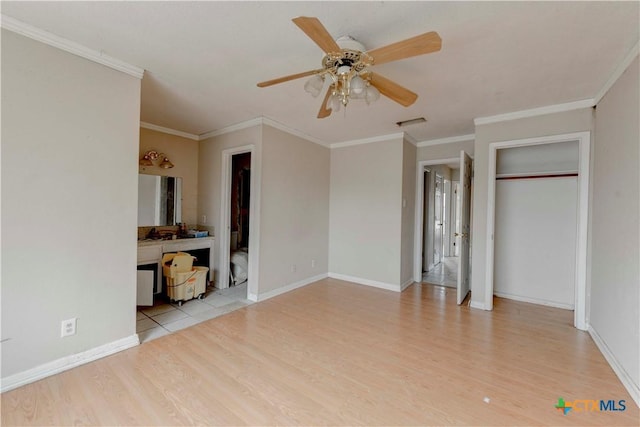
(407, 228)
(210, 174)
(551, 124)
(445, 151)
(294, 223)
(615, 232)
(69, 204)
(293, 209)
(183, 153)
(366, 212)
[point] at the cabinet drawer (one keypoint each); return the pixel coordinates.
(149, 254)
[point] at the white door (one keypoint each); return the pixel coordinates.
(437, 225)
(465, 220)
(455, 219)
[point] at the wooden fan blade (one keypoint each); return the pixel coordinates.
(324, 111)
(418, 45)
(287, 78)
(313, 28)
(392, 90)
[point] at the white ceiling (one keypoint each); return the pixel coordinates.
(203, 59)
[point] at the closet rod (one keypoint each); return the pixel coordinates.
(555, 175)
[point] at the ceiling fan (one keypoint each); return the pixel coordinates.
(346, 66)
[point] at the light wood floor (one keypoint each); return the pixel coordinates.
(334, 353)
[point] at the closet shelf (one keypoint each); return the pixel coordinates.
(537, 175)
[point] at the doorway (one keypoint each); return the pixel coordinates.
(239, 223)
(438, 218)
(439, 224)
(433, 229)
(240, 197)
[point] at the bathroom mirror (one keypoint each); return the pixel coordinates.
(159, 200)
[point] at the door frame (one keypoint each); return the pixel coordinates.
(224, 232)
(419, 214)
(584, 147)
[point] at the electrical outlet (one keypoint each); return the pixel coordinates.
(204, 219)
(313, 263)
(68, 327)
(293, 268)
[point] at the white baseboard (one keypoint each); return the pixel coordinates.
(284, 289)
(625, 379)
(66, 363)
(535, 301)
(406, 284)
(477, 304)
(368, 282)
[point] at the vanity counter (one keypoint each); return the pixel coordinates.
(189, 241)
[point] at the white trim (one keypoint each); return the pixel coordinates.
(169, 131)
(367, 282)
(419, 214)
(623, 376)
(584, 144)
(270, 122)
(534, 301)
(61, 43)
(448, 140)
(254, 219)
(582, 229)
(410, 139)
(232, 128)
(284, 289)
(67, 362)
(477, 304)
(540, 111)
(260, 121)
(406, 284)
(367, 140)
(621, 68)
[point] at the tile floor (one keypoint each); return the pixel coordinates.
(443, 274)
(164, 318)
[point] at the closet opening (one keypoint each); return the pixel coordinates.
(537, 210)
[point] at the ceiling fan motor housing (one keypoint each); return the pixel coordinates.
(351, 59)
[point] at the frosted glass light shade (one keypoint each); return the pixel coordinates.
(372, 94)
(335, 103)
(357, 85)
(314, 85)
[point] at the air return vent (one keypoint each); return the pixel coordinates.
(411, 122)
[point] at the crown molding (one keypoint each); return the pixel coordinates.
(448, 140)
(373, 139)
(284, 128)
(261, 121)
(61, 43)
(169, 131)
(540, 111)
(621, 68)
(233, 128)
(410, 139)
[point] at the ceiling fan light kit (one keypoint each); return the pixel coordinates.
(346, 67)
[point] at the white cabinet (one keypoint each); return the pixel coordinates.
(144, 295)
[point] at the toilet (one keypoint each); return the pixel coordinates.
(239, 267)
